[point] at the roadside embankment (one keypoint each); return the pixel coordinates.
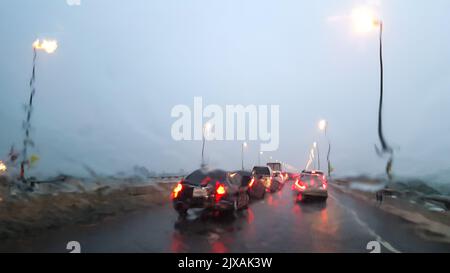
(74, 201)
(429, 213)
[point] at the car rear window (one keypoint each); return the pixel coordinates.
(196, 177)
(275, 166)
(200, 177)
(261, 170)
(311, 180)
(239, 177)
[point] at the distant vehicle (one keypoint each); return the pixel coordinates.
(277, 181)
(313, 172)
(290, 176)
(278, 178)
(212, 189)
(275, 166)
(241, 177)
(311, 185)
(260, 182)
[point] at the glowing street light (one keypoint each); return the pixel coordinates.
(259, 158)
(49, 46)
(3, 167)
(323, 126)
(365, 20)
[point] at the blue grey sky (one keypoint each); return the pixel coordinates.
(104, 97)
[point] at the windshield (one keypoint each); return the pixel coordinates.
(275, 166)
(311, 180)
(203, 178)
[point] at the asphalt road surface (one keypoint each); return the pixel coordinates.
(275, 224)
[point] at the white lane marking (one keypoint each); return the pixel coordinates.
(385, 243)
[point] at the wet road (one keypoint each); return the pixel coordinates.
(275, 224)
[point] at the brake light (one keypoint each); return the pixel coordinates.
(300, 185)
(177, 190)
(324, 186)
(220, 190)
(251, 183)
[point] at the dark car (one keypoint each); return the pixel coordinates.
(214, 189)
(311, 185)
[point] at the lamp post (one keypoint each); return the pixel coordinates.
(244, 145)
(205, 132)
(259, 158)
(316, 146)
(49, 46)
(364, 21)
(323, 125)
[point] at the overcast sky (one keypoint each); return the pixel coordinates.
(104, 97)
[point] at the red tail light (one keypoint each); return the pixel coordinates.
(220, 190)
(324, 186)
(177, 190)
(251, 183)
(300, 185)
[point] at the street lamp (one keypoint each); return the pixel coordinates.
(49, 46)
(244, 145)
(364, 20)
(3, 167)
(323, 125)
(205, 132)
(259, 158)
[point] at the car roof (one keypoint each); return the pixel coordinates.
(261, 167)
(200, 174)
(312, 172)
(242, 172)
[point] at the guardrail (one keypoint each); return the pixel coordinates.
(167, 177)
(445, 200)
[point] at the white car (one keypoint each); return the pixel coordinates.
(311, 185)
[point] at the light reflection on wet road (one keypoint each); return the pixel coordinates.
(275, 224)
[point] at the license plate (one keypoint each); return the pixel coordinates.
(199, 192)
